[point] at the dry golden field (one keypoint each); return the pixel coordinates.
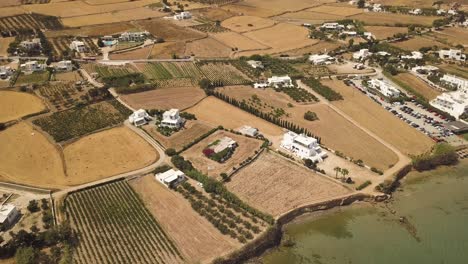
(165, 98)
(207, 48)
(137, 54)
(453, 36)
(372, 116)
(213, 14)
(73, 76)
(417, 42)
(455, 70)
(276, 185)
(14, 105)
(321, 46)
(337, 10)
(167, 49)
(383, 32)
(5, 3)
(197, 238)
(242, 9)
(169, 31)
(247, 23)
(274, 7)
(335, 131)
(107, 153)
(419, 85)
(29, 158)
(309, 17)
(390, 19)
(11, 11)
(241, 42)
(96, 30)
(247, 147)
(411, 3)
(217, 112)
(191, 131)
(4, 44)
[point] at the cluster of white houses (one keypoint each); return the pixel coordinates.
(32, 66)
(139, 118)
(170, 118)
(138, 36)
(455, 103)
(321, 59)
(303, 146)
(452, 54)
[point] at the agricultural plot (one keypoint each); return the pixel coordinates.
(169, 31)
(61, 45)
(247, 23)
(117, 229)
(455, 70)
(308, 17)
(166, 50)
(63, 95)
(418, 42)
(314, 71)
(77, 122)
(4, 44)
(453, 36)
(108, 71)
(224, 73)
(391, 19)
(418, 85)
(276, 185)
(29, 21)
(36, 77)
(337, 10)
(238, 41)
(14, 105)
(207, 48)
(210, 28)
(383, 32)
(174, 73)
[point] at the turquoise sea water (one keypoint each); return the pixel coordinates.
(435, 204)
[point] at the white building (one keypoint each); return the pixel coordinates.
(361, 54)
(452, 54)
(8, 215)
(416, 11)
(248, 131)
(31, 44)
(384, 88)
(415, 55)
(32, 66)
(183, 15)
(303, 146)
(321, 59)
(368, 35)
(441, 12)
(5, 72)
(425, 69)
(259, 85)
(255, 64)
(172, 119)
(452, 12)
(332, 26)
(139, 118)
(134, 36)
(170, 178)
(377, 8)
(224, 143)
(454, 103)
(277, 81)
(382, 53)
(78, 46)
(349, 33)
(455, 81)
(65, 65)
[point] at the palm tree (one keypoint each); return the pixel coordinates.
(337, 170)
(344, 172)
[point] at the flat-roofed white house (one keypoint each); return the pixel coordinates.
(361, 54)
(65, 65)
(416, 12)
(134, 36)
(248, 130)
(455, 103)
(303, 146)
(455, 81)
(415, 55)
(8, 215)
(31, 44)
(170, 178)
(172, 119)
(224, 143)
(377, 8)
(5, 72)
(183, 15)
(32, 66)
(139, 118)
(321, 59)
(384, 88)
(452, 54)
(78, 46)
(332, 26)
(277, 81)
(255, 64)
(259, 85)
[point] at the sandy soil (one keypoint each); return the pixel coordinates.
(10, 3)
(247, 147)
(11, 11)
(247, 23)
(73, 76)
(322, 46)
(453, 35)
(276, 185)
(169, 31)
(191, 131)
(390, 19)
(4, 44)
(417, 42)
(381, 122)
(197, 238)
(308, 16)
(29, 158)
(236, 40)
(14, 105)
(419, 85)
(207, 48)
(107, 153)
(97, 30)
(165, 98)
(137, 54)
(382, 32)
(337, 10)
(167, 49)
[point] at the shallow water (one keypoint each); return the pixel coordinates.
(435, 205)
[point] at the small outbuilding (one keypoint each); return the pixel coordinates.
(8, 215)
(170, 178)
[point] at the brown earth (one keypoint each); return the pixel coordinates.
(14, 105)
(137, 54)
(167, 49)
(207, 48)
(246, 148)
(453, 35)
(276, 185)
(417, 42)
(382, 32)
(419, 85)
(337, 10)
(169, 31)
(4, 44)
(390, 19)
(97, 30)
(247, 23)
(197, 238)
(241, 42)
(73, 76)
(213, 14)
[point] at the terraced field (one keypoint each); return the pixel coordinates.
(118, 228)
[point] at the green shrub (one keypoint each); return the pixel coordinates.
(363, 185)
(311, 116)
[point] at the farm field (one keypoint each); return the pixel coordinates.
(455, 70)
(417, 42)
(308, 16)
(36, 77)
(349, 139)
(207, 48)
(73, 76)
(108, 71)
(165, 98)
(166, 50)
(276, 185)
(381, 122)
(169, 31)
(4, 44)
(14, 105)
(118, 228)
(267, 9)
(137, 54)
(120, 150)
(390, 19)
(191, 131)
(196, 238)
(337, 10)
(92, 31)
(223, 72)
(383, 32)
(236, 40)
(213, 14)
(29, 158)
(64, 95)
(453, 36)
(62, 44)
(321, 46)
(419, 85)
(247, 23)
(247, 147)
(28, 21)
(215, 112)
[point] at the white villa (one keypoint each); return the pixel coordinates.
(303, 146)
(32, 66)
(454, 103)
(134, 36)
(377, 8)
(5, 72)
(321, 59)
(276, 81)
(361, 54)
(248, 131)
(452, 54)
(384, 87)
(455, 81)
(260, 85)
(139, 118)
(255, 64)
(332, 26)
(31, 44)
(172, 119)
(416, 12)
(368, 35)
(415, 55)
(65, 65)
(224, 143)
(183, 15)
(8, 215)
(170, 178)
(78, 46)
